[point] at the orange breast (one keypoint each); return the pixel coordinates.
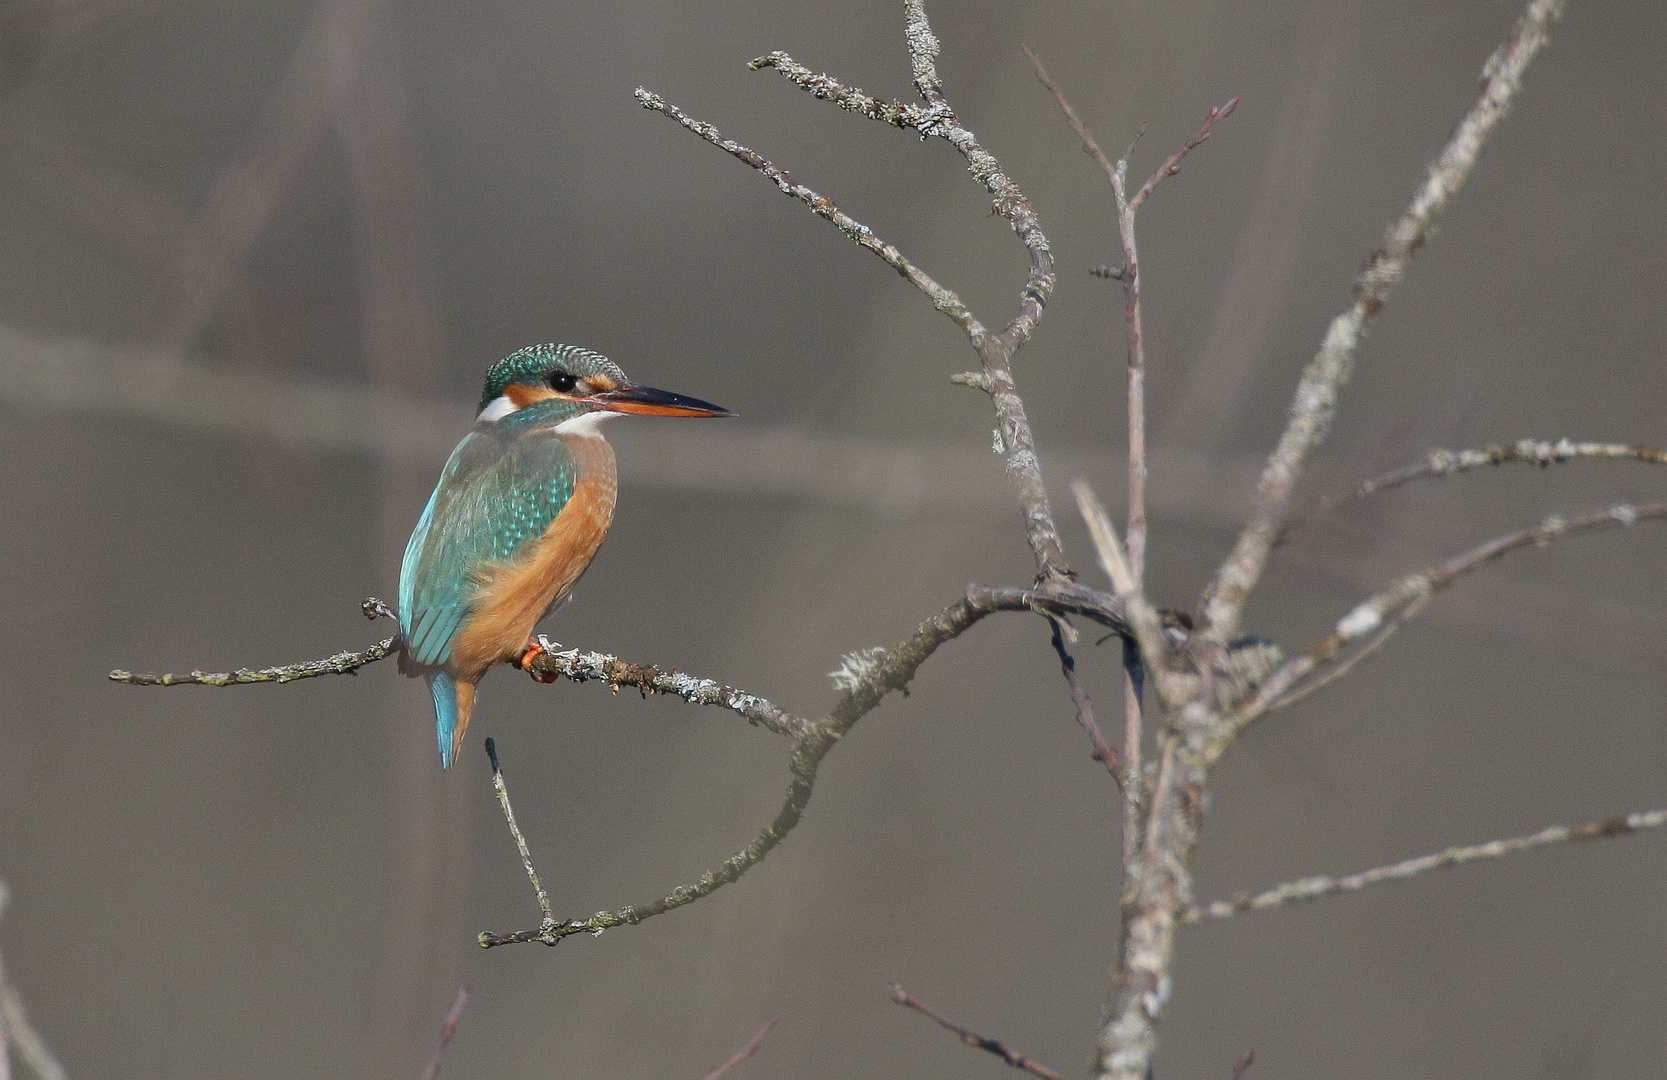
(514, 596)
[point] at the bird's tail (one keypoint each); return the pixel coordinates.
(453, 703)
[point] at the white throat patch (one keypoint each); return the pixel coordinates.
(496, 409)
(586, 425)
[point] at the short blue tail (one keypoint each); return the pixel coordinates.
(444, 689)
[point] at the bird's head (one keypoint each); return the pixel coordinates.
(563, 385)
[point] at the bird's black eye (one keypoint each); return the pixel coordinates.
(563, 382)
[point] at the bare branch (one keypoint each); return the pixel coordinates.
(1089, 145)
(1129, 275)
(992, 1046)
(745, 1052)
(545, 664)
(526, 854)
(942, 299)
(1379, 616)
(1173, 165)
(1313, 888)
(996, 350)
(1103, 752)
(849, 98)
(342, 663)
(1442, 463)
(447, 1030)
(892, 670)
(1315, 402)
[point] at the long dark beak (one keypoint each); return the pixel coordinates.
(647, 401)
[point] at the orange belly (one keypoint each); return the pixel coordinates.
(513, 596)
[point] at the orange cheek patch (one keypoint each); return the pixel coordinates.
(521, 395)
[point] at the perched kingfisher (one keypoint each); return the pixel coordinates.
(521, 507)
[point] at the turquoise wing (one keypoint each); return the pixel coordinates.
(495, 494)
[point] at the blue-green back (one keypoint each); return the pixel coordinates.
(500, 489)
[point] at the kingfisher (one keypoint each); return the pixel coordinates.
(520, 509)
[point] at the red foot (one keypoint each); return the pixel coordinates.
(536, 649)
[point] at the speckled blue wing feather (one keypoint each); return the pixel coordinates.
(498, 490)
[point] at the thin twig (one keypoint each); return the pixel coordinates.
(1013, 1058)
(342, 663)
(1173, 165)
(1543, 453)
(1313, 888)
(1103, 752)
(502, 791)
(1315, 402)
(1129, 275)
(447, 1030)
(943, 299)
(1377, 617)
(745, 1052)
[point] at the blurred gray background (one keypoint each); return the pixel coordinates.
(254, 257)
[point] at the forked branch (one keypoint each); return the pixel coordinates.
(890, 670)
(938, 119)
(1315, 402)
(1375, 619)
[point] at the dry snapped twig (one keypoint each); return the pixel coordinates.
(1376, 618)
(1315, 401)
(447, 1030)
(992, 1046)
(745, 1052)
(938, 119)
(1313, 888)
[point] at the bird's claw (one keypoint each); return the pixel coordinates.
(536, 647)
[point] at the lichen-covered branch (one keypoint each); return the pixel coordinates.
(850, 98)
(890, 670)
(1376, 618)
(342, 663)
(1315, 402)
(1541, 452)
(938, 119)
(579, 666)
(1313, 888)
(942, 299)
